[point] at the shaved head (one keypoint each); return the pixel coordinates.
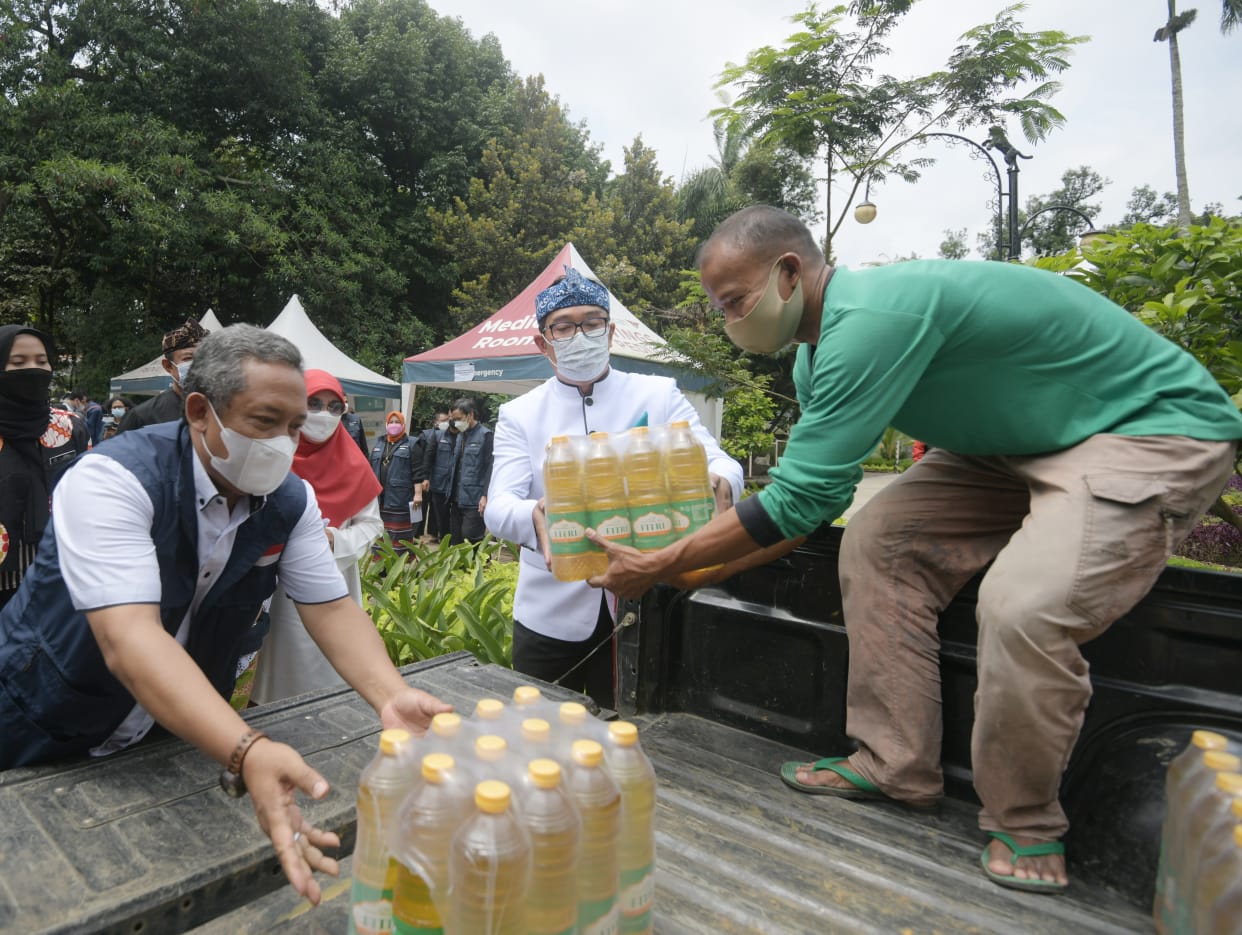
(762, 233)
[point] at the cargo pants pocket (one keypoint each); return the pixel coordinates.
(1131, 526)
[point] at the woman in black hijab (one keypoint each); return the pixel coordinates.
(37, 443)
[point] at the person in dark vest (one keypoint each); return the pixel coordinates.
(202, 514)
(459, 470)
(422, 497)
(179, 346)
(354, 429)
(37, 444)
(397, 460)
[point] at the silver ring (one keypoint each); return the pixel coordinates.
(296, 836)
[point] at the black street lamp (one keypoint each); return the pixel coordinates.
(1084, 238)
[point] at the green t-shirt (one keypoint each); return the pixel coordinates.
(979, 358)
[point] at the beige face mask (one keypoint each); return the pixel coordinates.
(771, 324)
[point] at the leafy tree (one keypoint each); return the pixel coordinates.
(953, 247)
(1047, 230)
(821, 97)
(1146, 207)
(1231, 14)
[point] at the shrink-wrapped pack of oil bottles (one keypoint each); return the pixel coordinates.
(1199, 878)
(527, 818)
(646, 488)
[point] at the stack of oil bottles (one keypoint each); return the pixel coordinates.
(647, 488)
(531, 818)
(1199, 878)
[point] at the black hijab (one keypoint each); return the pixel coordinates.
(24, 399)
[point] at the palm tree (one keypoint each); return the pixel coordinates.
(1230, 16)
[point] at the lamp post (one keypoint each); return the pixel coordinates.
(1084, 238)
(865, 212)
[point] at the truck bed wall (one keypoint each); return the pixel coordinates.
(766, 652)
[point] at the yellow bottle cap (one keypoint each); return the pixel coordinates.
(623, 733)
(1221, 762)
(639, 430)
(392, 740)
(1236, 808)
(491, 796)
(490, 748)
(587, 753)
(536, 730)
(559, 440)
(679, 424)
(489, 709)
(526, 694)
(435, 765)
(599, 436)
(1208, 740)
(1237, 835)
(1229, 782)
(446, 724)
(546, 774)
(573, 713)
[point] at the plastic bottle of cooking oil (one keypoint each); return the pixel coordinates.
(489, 870)
(599, 806)
(636, 779)
(571, 725)
(690, 487)
(609, 513)
(565, 503)
(651, 515)
(536, 738)
(1198, 787)
(1218, 897)
(1184, 767)
(489, 709)
(551, 820)
(382, 786)
(1206, 814)
(425, 824)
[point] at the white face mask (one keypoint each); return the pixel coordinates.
(254, 465)
(182, 369)
(442, 426)
(461, 425)
(319, 426)
(771, 324)
(582, 359)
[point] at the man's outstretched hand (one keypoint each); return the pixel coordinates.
(274, 773)
(412, 709)
(630, 574)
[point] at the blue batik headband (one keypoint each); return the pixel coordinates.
(574, 289)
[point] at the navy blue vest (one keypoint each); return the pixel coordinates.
(57, 697)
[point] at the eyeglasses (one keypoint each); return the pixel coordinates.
(316, 405)
(564, 330)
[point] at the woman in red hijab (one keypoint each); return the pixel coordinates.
(329, 460)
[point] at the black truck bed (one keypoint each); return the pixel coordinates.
(145, 842)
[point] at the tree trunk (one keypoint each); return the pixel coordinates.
(1179, 133)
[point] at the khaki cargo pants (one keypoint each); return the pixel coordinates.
(1075, 538)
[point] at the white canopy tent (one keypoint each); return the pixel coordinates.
(499, 354)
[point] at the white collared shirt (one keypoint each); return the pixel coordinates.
(107, 557)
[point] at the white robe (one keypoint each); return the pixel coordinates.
(290, 663)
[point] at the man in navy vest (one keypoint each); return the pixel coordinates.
(201, 514)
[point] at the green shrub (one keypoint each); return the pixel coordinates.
(442, 598)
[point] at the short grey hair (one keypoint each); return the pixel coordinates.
(764, 232)
(217, 370)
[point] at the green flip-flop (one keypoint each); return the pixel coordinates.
(863, 789)
(1031, 850)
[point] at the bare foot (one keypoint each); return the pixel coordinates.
(1049, 867)
(823, 777)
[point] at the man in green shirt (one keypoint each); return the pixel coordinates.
(1073, 448)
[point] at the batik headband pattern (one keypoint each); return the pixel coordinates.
(574, 289)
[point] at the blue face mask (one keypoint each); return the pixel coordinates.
(581, 358)
(118, 412)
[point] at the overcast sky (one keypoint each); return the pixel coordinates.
(649, 67)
